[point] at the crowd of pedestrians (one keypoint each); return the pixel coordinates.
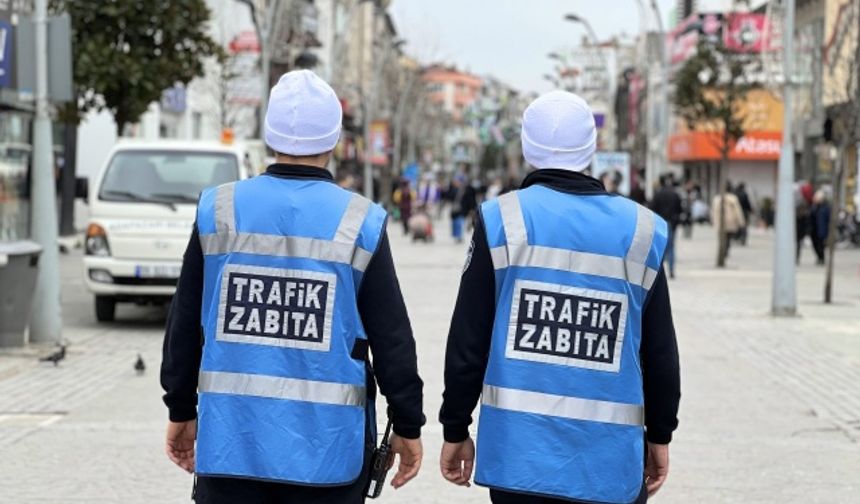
(419, 204)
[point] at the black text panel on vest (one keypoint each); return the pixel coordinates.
(276, 307)
(572, 326)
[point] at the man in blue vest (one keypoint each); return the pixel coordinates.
(287, 285)
(563, 329)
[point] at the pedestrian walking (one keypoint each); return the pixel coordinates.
(747, 209)
(734, 216)
(494, 189)
(802, 223)
(563, 301)
(457, 194)
(404, 198)
(265, 367)
(667, 204)
(429, 194)
(819, 224)
(687, 199)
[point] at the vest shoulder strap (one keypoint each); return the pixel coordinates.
(341, 248)
(632, 266)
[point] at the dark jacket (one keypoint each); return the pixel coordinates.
(667, 204)
(474, 315)
(380, 305)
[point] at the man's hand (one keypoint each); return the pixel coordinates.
(180, 443)
(457, 460)
(411, 452)
(656, 467)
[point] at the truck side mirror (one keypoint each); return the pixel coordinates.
(82, 188)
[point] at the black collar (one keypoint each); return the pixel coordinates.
(565, 181)
(296, 171)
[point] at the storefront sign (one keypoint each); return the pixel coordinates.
(705, 146)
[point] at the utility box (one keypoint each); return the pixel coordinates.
(19, 262)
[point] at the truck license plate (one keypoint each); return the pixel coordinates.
(157, 271)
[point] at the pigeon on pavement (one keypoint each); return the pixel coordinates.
(55, 357)
(139, 365)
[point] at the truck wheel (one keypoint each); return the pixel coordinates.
(105, 309)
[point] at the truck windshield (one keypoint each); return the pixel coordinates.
(166, 177)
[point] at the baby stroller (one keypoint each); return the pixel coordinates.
(421, 225)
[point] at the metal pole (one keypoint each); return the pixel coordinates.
(264, 69)
(663, 103)
(46, 321)
(784, 293)
(398, 120)
(371, 95)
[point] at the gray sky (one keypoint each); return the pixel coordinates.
(508, 38)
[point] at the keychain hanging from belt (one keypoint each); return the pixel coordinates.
(379, 464)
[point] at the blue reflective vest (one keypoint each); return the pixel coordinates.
(280, 397)
(562, 405)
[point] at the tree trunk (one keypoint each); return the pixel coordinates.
(836, 183)
(722, 236)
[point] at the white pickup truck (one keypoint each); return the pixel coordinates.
(142, 210)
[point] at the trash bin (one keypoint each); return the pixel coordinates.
(18, 266)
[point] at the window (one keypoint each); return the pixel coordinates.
(165, 176)
(14, 180)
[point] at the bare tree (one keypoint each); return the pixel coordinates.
(709, 90)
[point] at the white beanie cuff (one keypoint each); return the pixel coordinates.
(543, 156)
(301, 146)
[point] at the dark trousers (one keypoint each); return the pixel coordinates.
(500, 497)
(819, 245)
(211, 490)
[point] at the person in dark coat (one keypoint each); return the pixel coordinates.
(819, 220)
(746, 207)
(667, 204)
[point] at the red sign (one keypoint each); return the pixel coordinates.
(245, 42)
(746, 32)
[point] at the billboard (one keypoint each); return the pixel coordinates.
(747, 32)
(685, 37)
(378, 142)
(613, 169)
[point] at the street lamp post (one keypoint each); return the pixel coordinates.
(662, 108)
(263, 27)
(784, 294)
(573, 18)
(46, 320)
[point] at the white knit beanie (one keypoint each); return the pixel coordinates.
(304, 115)
(559, 132)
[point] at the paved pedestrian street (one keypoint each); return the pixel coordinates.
(770, 409)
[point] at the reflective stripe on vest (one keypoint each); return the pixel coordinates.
(341, 249)
(276, 387)
(574, 408)
(518, 252)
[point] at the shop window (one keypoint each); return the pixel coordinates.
(15, 149)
